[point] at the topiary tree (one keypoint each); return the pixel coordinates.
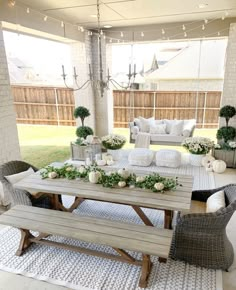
(84, 131)
(81, 112)
(226, 133)
(227, 112)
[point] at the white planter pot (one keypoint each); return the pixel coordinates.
(196, 159)
(116, 154)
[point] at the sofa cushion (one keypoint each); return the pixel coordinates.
(168, 158)
(166, 138)
(137, 122)
(188, 127)
(140, 157)
(135, 130)
(216, 201)
(177, 128)
(145, 124)
(158, 129)
(169, 124)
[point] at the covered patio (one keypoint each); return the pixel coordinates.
(92, 29)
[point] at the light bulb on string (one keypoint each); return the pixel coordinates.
(163, 31)
(183, 27)
(62, 24)
(142, 34)
(110, 40)
(81, 29)
(45, 18)
(28, 10)
(121, 34)
(203, 27)
(218, 33)
(185, 34)
(206, 21)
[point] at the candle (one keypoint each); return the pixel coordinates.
(129, 69)
(134, 68)
(63, 70)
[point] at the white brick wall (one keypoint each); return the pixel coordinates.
(229, 88)
(9, 143)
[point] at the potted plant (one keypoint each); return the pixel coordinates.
(198, 147)
(113, 143)
(225, 149)
(84, 147)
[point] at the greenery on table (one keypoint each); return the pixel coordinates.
(111, 179)
(113, 141)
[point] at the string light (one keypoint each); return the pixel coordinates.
(223, 17)
(203, 27)
(110, 40)
(206, 21)
(62, 24)
(185, 34)
(45, 18)
(121, 34)
(142, 34)
(163, 31)
(218, 33)
(28, 10)
(183, 27)
(81, 29)
(101, 32)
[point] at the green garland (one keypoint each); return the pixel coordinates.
(153, 181)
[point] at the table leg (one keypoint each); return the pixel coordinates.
(24, 241)
(168, 219)
(76, 203)
(142, 215)
(146, 269)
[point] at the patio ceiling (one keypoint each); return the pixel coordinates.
(121, 13)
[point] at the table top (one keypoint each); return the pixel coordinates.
(178, 200)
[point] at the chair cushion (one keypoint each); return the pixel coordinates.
(196, 207)
(177, 128)
(216, 201)
(168, 158)
(18, 176)
(141, 157)
(158, 129)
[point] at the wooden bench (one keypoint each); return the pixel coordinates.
(118, 235)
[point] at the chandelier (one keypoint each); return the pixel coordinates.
(98, 81)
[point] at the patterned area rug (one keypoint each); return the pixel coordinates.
(79, 271)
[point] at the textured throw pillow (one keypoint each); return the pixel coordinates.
(216, 201)
(177, 128)
(158, 129)
(137, 122)
(158, 122)
(188, 127)
(145, 124)
(18, 176)
(169, 124)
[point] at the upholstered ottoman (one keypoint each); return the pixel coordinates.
(168, 158)
(141, 157)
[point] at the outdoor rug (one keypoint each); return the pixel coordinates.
(80, 271)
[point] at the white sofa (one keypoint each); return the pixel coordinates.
(162, 132)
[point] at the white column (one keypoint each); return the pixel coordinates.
(9, 142)
(229, 88)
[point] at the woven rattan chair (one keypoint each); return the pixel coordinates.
(19, 196)
(201, 238)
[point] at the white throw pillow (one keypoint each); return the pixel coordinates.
(145, 124)
(216, 201)
(188, 127)
(169, 124)
(137, 122)
(177, 128)
(158, 129)
(18, 176)
(159, 122)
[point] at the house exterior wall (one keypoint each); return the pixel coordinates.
(229, 88)
(9, 143)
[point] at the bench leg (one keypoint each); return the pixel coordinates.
(24, 241)
(168, 219)
(162, 260)
(146, 269)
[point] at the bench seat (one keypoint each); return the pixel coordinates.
(118, 235)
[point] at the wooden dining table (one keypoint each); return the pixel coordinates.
(169, 201)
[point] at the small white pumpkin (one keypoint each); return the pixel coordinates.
(208, 159)
(110, 162)
(52, 175)
(94, 176)
(89, 139)
(140, 178)
(121, 183)
(124, 173)
(159, 186)
(69, 168)
(219, 166)
(101, 162)
(82, 169)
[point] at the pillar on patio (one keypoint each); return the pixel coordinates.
(229, 88)
(9, 142)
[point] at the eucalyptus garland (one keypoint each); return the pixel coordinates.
(153, 181)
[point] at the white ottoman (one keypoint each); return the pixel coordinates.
(141, 157)
(168, 158)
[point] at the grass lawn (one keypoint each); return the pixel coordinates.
(41, 145)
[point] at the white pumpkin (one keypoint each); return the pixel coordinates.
(82, 169)
(69, 168)
(159, 186)
(52, 175)
(101, 162)
(208, 159)
(219, 166)
(110, 162)
(124, 173)
(94, 176)
(121, 183)
(140, 178)
(89, 139)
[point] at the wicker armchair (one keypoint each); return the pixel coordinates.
(19, 196)
(201, 239)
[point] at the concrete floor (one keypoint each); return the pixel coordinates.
(9, 281)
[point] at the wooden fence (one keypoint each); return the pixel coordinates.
(55, 106)
(203, 106)
(44, 105)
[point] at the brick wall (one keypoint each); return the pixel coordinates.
(9, 143)
(229, 88)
